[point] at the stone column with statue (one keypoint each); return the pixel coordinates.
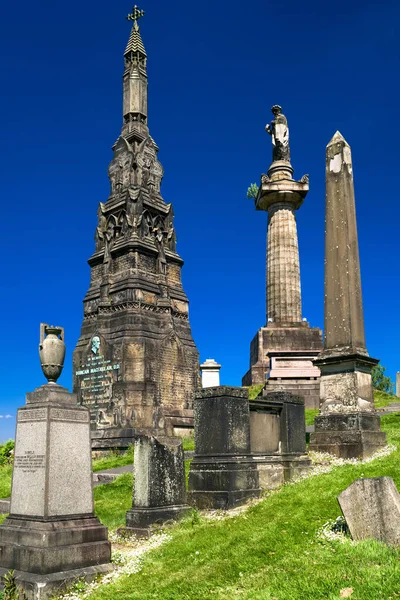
(51, 536)
(282, 352)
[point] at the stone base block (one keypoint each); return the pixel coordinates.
(353, 435)
(142, 522)
(309, 389)
(43, 547)
(41, 587)
(222, 482)
(112, 437)
(274, 471)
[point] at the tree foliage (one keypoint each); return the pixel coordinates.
(252, 191)
(380, 381)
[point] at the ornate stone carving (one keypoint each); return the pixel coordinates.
(150, 171)
(121, 167)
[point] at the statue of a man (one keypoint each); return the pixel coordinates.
(279, 131)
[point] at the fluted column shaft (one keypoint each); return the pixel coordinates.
(283, 265)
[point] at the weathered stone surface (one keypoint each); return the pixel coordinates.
(51, 527)
(278, 437)
(222, 473)
(160, 489)
(371, 508)
(285, 332)
(136, 364)
(398, 384)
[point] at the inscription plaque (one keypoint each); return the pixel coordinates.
(30, 462)
(95, 379)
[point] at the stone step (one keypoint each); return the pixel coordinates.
(4, 506)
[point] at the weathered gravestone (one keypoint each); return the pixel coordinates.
(51, 536)
(223, 473)
(371, 508)
(159, 484)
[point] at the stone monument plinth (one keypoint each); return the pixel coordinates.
(348, 425)
(284, 349)
(159, 485)
(51, 536)
(222, 473)
(398, 384)
(210, 373)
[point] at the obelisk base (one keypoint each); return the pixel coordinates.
(350, 435)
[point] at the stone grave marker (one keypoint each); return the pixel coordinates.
(371, 508)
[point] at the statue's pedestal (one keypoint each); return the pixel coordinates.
(51, 536)
(283, 359)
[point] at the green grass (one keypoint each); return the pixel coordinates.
(5, 481)
(311, 413)
(272, 551)
(382, 399)
(254, 390)
(112, 500)
(115, 459)
(188, 444)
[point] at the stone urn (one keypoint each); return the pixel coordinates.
(51, 351)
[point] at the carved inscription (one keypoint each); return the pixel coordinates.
(60, 414)
(30, 462)
(34, 414)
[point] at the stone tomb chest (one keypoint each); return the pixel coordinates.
(277, 437)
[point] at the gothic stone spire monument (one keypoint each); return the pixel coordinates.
(136, 364)
(348, 425)
(283, 350)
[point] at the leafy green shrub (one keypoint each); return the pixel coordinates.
(6, 452)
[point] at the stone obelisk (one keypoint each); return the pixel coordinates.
(348, 425)
(283, 350)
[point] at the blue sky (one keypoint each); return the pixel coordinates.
(215, 69)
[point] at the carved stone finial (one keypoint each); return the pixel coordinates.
(136, 15)
(51, 351)
(279, 130)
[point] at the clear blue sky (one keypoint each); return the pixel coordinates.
(215, 69)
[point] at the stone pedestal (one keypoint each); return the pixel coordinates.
(283, 358)
(51, 536)
(222, 473)
(278, 437)
(210, 373)
(398, 384)
(159, 489)
(347, 435)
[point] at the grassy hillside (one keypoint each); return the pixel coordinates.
(276, 550)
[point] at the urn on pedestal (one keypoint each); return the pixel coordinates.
(51, 351)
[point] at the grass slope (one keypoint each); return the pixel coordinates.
(272, 552)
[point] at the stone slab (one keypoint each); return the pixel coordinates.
(371, 508)
(4, 506)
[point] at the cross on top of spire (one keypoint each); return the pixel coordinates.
(136, 14)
